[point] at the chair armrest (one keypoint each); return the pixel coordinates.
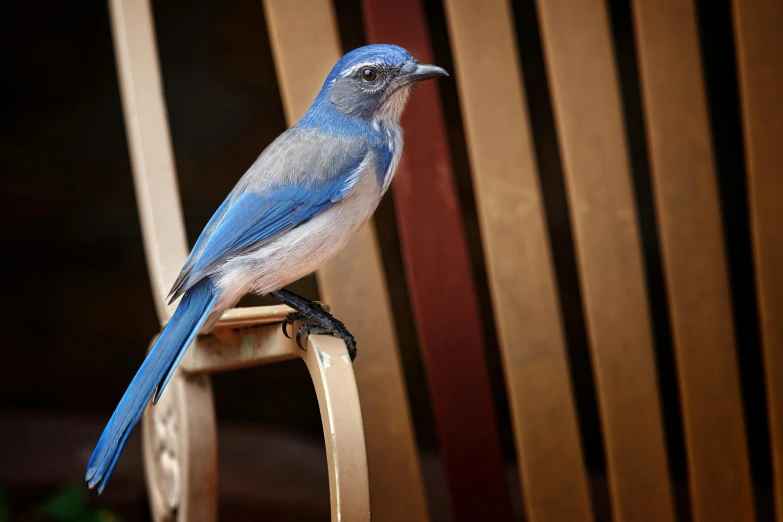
(180, 461)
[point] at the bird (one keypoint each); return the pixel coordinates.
(297, 205)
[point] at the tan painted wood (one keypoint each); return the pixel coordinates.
(759, 40)
(519, 262)
(240, 345)
(338, 399)
(305, 32)
(154, 175)
(233, 346)
(581, 69)
(179, 437)
(688, 211)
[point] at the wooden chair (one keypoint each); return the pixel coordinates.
(588, 112)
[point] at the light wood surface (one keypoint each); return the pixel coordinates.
(519, 262)
(586, 100)
(694, 258)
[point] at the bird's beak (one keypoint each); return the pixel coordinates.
(420, 73)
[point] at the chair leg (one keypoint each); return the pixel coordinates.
(180, 452)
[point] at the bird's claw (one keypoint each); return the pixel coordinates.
(291, 319)
(320, 322)
(295, 316)
(338, 331)
(306, 330)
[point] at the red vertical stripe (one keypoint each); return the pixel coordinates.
(441, 285)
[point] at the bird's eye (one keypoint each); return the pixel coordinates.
(369, 75)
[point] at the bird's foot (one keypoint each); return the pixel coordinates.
(300, 316)
(333, 327)
(325, 323)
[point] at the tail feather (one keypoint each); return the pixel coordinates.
(155, 373)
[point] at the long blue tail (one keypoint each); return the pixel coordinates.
(155, 372)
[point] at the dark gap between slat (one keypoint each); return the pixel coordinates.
(553, 189)
(720, 70)
(668, 385)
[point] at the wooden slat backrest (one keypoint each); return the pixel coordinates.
(586, 100)
(305, 32)
(519, 262)
(443, 296)
(759, 41)
(689, 223)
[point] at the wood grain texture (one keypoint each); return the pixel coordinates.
(584, 84)
(441, 283)
(759, 40)
(305, 32)
(519, 262)
(694, 258)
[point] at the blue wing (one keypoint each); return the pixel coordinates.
(246, 220)
(199, 246)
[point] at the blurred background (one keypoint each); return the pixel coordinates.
(78, 306)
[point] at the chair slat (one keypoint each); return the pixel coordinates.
(578, 50)
(305, 32)
(519, 262)
(441, 283)
(694, 258)
(157, 190)
(759, 42)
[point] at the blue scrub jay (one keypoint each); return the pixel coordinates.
(301, 201)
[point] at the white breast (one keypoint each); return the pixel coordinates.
(302, 250)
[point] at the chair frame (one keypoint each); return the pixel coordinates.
(179, 434)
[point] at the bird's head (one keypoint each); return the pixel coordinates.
(374, 81)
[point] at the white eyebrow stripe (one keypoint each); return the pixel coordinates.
(355, 68)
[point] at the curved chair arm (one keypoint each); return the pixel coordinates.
(179, 433)
(338, 400)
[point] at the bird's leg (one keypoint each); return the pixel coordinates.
(299, 303)
(325, 322)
